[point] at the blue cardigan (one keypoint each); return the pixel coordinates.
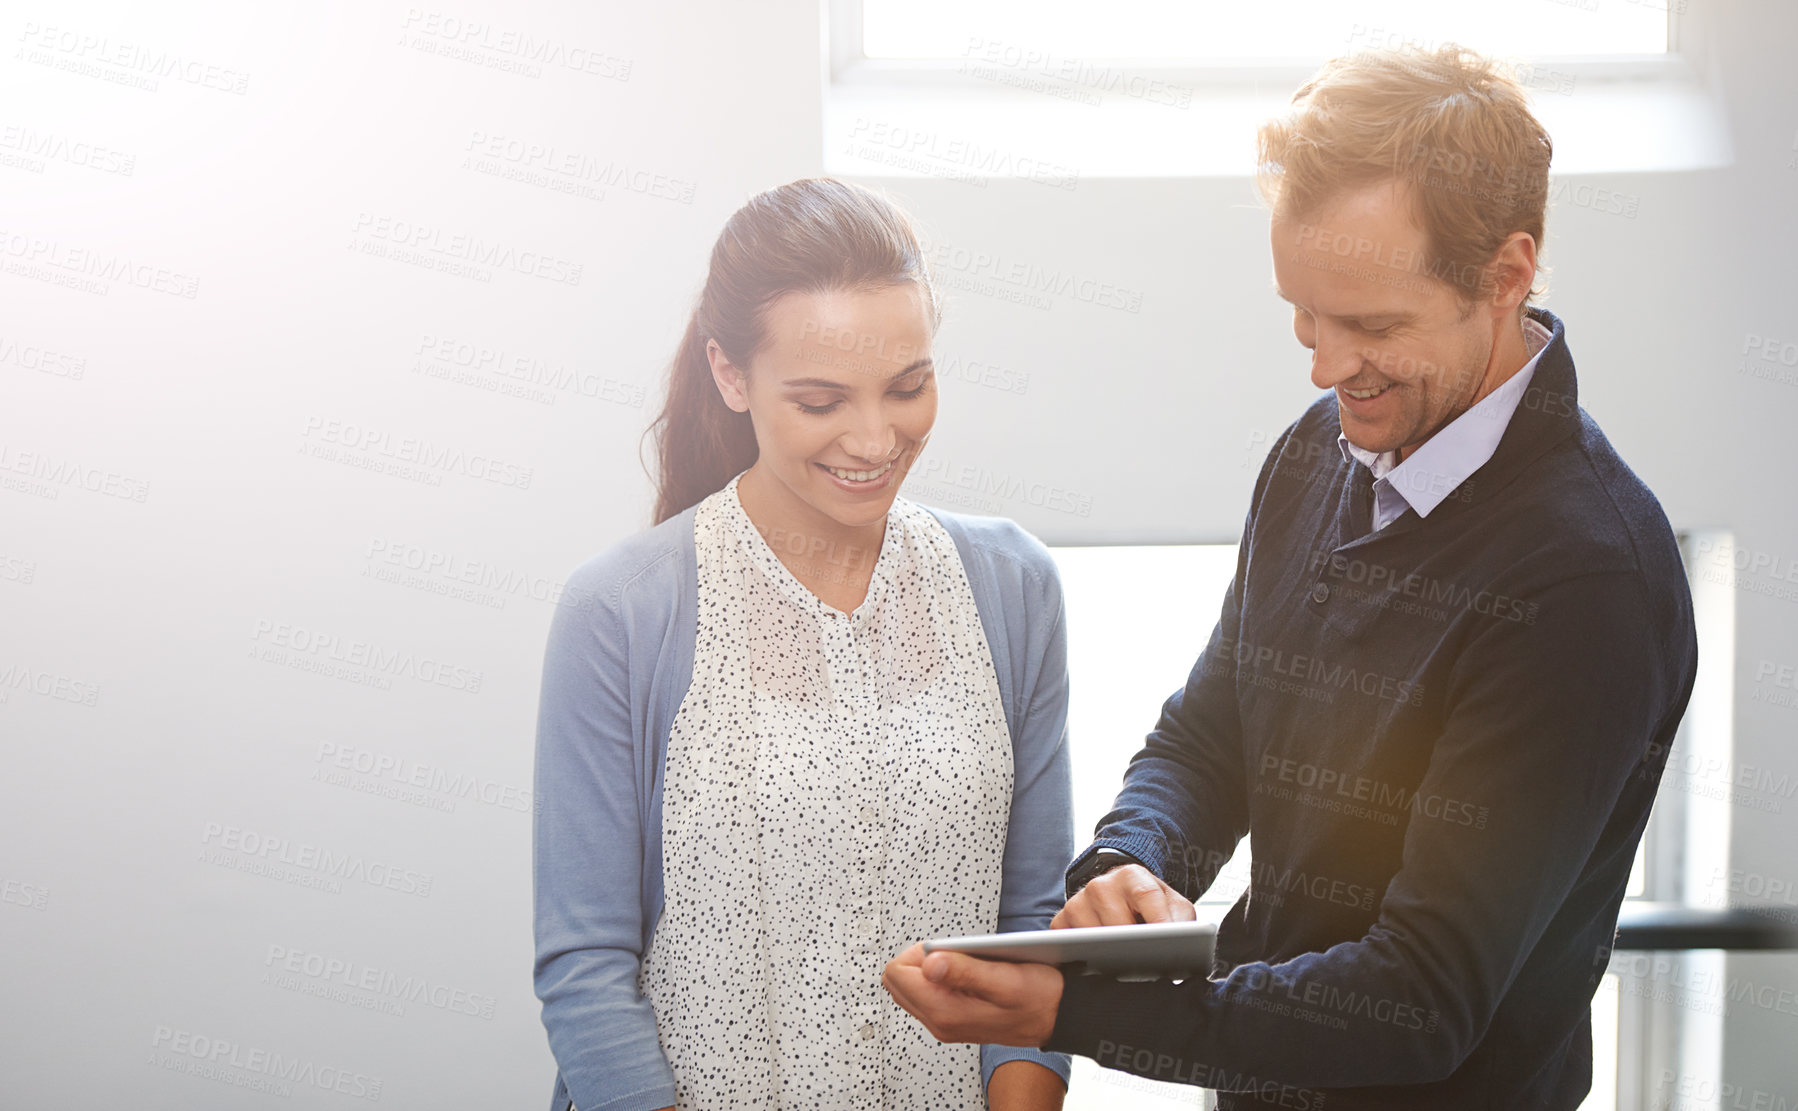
(616, 669)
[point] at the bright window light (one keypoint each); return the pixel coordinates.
(1138, 617)
(1603, 1096)
(1047, 34)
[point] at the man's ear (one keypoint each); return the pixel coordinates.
(733, 385)
(1512, 271)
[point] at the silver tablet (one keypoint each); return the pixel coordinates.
(1146, 951)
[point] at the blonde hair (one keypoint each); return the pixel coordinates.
(1453, 125)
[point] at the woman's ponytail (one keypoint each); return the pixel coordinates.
(701, 443)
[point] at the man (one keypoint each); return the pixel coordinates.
(1446, 676)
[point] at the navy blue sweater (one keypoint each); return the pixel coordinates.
(1444, 739)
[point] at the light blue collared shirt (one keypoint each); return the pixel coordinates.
(1435, 470)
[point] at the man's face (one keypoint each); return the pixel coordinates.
(1404, 355)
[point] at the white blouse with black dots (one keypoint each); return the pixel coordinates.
(837, 787)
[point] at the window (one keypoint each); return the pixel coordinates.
(975, 91)
(1039, 34)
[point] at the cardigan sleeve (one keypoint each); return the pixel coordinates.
(587, 857)
(1040, 835)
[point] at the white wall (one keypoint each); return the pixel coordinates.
(118, 926)
(148, 720)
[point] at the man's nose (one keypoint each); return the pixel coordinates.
(1334, 361)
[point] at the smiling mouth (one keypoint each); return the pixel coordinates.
(860, 476)
(1365, 395)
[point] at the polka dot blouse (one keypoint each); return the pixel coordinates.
(837, 787)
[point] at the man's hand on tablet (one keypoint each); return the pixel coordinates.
(960, 998)
(1124, 896)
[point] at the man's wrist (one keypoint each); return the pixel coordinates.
(1097, 862)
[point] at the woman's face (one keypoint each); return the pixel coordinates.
(842, 396)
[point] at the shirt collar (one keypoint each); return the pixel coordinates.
(1434, 471)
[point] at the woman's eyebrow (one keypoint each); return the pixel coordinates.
(825, 383)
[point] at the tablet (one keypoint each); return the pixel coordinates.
(1146, 951)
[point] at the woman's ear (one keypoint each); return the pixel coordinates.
(732, 385)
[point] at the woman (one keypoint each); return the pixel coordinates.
(804, 722)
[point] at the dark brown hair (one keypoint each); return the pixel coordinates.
(816, 235)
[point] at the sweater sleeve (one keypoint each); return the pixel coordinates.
(587, 869)
(1545, 726)
(1040, 835)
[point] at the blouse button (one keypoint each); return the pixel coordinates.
(867, 1031)
(869, 814)
(1320, 593)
